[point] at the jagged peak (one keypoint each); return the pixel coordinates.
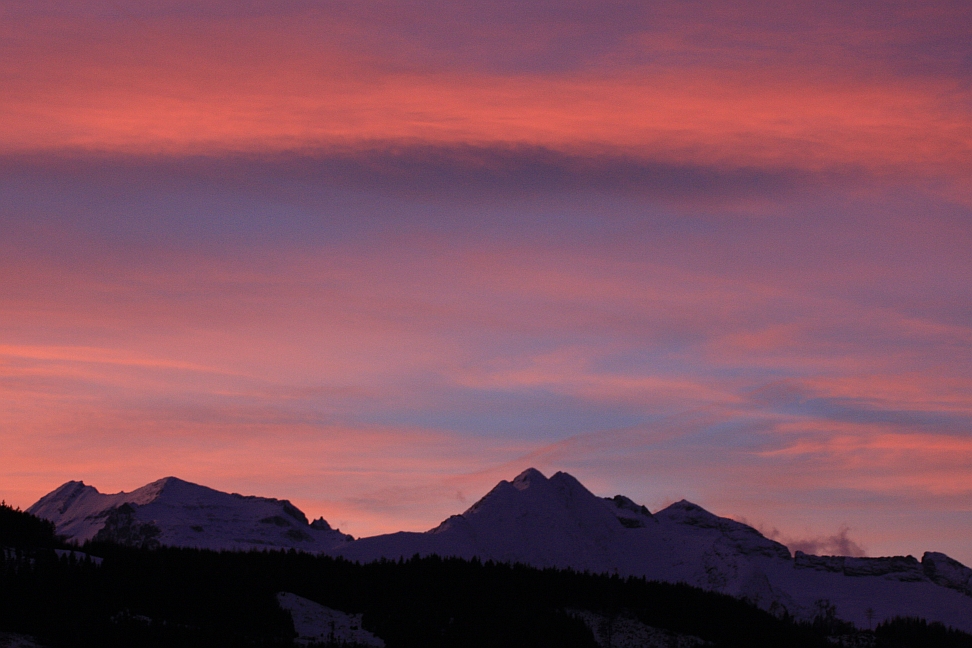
(688, 512)
(527, 478)
(571, 488)
(62, 497)
(628, 504)
(568, 480)
(173, 482)
(685, 505)
(71, 487)
(530, 483)
(169, 486)
(321, 524)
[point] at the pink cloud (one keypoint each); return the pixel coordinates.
(721, 259)
(196, 89)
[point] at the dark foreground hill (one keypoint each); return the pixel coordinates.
(186, 598)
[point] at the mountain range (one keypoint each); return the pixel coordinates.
(178, 513)
(543, 522)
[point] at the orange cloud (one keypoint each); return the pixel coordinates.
(226, 85)
(763, 355)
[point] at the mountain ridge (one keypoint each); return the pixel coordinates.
(175, 512)
(542, 522)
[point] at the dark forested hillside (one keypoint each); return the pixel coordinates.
(23, 530)
(184, 597)
(188, 598)
(918, 633)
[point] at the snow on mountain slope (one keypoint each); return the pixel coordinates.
(318, 625)
(625, 632)
(736, 559)
(178, 513)
(557, 522)
(553, 522)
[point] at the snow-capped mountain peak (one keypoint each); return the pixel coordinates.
(64, 495)
(527, 478)
(176, 512)
(553, 522)
(544, 522)
(742, 537)
(558, 522)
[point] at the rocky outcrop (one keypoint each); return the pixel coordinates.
(945, 571)
(901, 568)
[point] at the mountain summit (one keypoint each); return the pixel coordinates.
(174, 512)
(557, 522)
(543, 522)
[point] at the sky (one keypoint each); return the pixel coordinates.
(373, 257)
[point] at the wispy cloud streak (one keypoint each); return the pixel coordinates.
(376, 256)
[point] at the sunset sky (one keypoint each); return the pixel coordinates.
(373, 257)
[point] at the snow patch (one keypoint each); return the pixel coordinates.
(13, 640)
(316, 623)
(624, 632)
